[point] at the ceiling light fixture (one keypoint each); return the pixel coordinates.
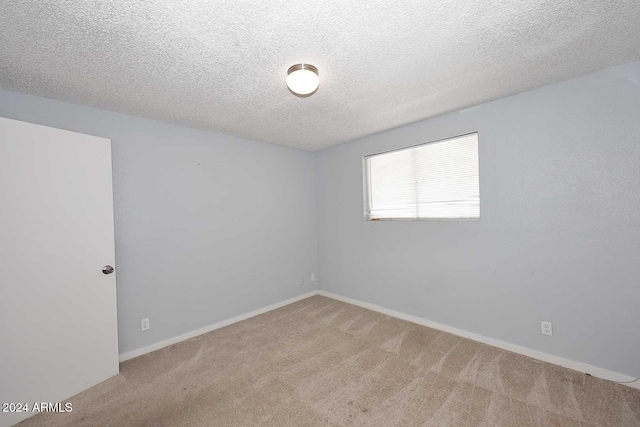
(302, 79)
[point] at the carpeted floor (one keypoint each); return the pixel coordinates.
(323, 362)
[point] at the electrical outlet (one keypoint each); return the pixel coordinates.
(313, 277)
(546, 328)
(144, 324)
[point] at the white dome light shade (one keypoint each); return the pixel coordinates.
(302, 79)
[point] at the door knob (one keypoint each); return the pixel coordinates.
(107, 269)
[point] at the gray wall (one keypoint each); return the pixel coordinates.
(207, 226)
(559, 237)
(210, 226)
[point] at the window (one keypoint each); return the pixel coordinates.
(438, 180)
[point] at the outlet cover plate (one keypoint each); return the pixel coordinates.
(144, 324)
(547, 328)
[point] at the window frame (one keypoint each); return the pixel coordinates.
(365, 182)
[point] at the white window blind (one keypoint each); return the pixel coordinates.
(438, 180)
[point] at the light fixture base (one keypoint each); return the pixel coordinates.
(297, 67)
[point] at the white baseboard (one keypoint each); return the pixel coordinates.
(157, 346)
(545, 357)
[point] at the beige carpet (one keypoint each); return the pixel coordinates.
(323, 362)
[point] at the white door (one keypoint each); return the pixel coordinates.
(58, 329)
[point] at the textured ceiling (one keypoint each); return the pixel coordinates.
(221, 65)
